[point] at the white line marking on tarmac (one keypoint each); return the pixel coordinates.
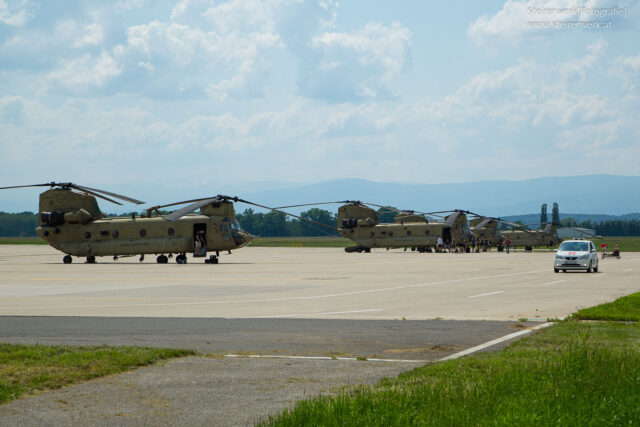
(342, 294)
(494, 342)
(553, 283)
(628, 269)
(486, 295)
(450, 357)
(267, 356)
(321, 313)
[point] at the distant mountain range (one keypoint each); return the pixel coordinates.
(604, 195)
(601, 196)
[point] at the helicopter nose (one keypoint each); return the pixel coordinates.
(246, 238)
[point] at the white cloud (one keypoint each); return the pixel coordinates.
(16, 13)
(357, 65)
(518, 20)
(631, 62)
(86, 71)
(93, 35)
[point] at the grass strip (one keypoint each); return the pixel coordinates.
(623, 309)
(302, 242)
(625, 244)
(22, 241)
(573, 373)
(25, 368)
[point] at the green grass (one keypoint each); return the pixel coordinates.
(302, 242)
(573, 373)
(626, 244)
(22, 241)
(625, 308)
(26, 368)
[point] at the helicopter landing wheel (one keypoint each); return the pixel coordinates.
(212, 260)
(181, 259)
(91, 259)
(141, 258)
(162, 259)
(67, 259)
(367, 251)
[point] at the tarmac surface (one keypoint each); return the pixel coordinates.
(407, 308)
(320, 283)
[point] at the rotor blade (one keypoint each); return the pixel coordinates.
(310, 221)
(176, 215)
(584, 232)
(180, 203)
(25, 186)
(100, 196)
(310, 204)
(483, 223)
(108, 193)
(451, 219)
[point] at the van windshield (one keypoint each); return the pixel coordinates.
(574, 246)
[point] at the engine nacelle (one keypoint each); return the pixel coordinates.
(52, 218)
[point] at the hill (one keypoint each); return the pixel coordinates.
(599, 194)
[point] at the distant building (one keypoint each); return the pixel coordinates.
(572, 233)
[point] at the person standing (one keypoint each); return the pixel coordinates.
(507, 244)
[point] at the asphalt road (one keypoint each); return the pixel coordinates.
(285, 302)
(387, 339)
(324, 283)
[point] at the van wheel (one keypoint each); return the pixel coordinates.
(589, 268)
(595, 269)
(555, 270)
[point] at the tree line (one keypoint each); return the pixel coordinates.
(276, 224)
(606, 228)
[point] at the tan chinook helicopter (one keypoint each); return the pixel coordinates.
(485, 229)
(358, 222)
(70, 220)
(548, 236)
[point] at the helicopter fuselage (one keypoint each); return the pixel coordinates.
(127, 236)
(72, 223)
(531, 238)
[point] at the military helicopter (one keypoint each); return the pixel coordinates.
(547, 236)
(70, 220)
(359, 222)
(486, 229)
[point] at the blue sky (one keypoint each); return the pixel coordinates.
(204, 95)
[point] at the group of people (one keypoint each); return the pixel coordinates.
(477, 246)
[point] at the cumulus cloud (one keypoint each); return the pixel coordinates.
(223, 50)
(16, 13)
(519, 19)
(93, 34)
(356, 65)
(85, 72)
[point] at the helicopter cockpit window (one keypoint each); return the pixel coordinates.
(235, 226)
